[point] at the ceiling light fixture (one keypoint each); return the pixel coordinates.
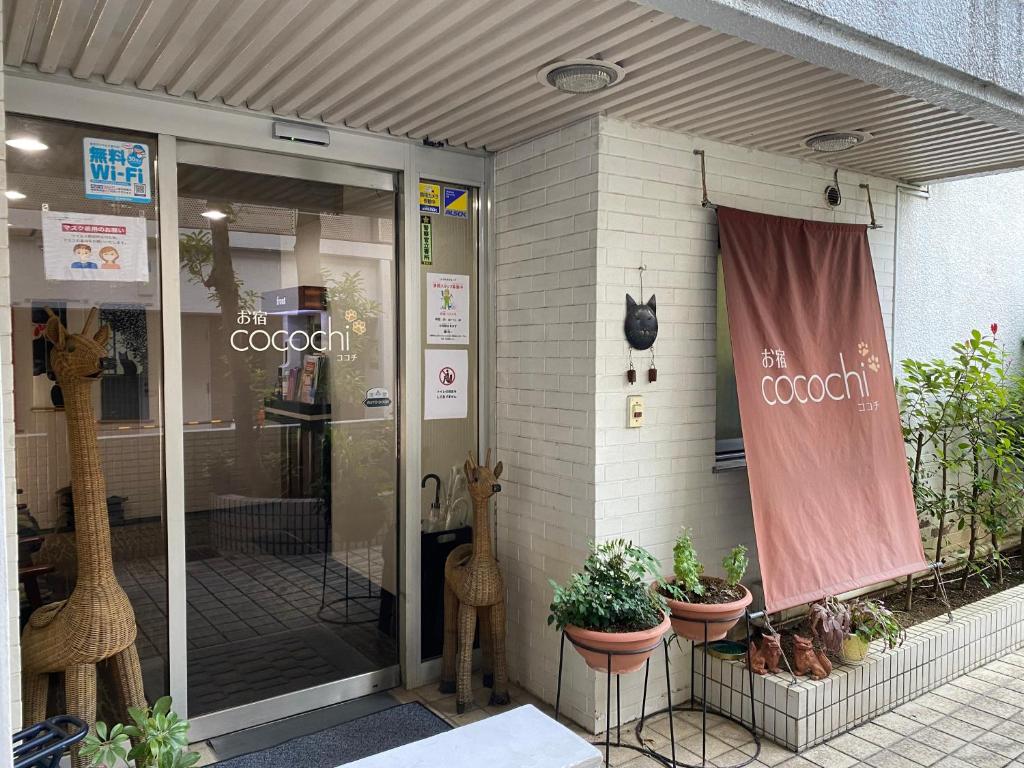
(214, 215)
(27, 143)
(578, 76)
(836, 141)
(13, 194)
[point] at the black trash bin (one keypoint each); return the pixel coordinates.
(434, 550)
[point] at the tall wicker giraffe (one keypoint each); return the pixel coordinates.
(96, 622)
(472, 583)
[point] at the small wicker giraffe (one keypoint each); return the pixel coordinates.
(96, 622)
(473, 582)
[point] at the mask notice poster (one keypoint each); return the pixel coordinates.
(447, 309)
(445, 383)
(116, 170)
(93, 247)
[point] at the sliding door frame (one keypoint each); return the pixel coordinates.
(330, 692)
(364, 155)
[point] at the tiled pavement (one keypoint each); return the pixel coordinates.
(975, 721)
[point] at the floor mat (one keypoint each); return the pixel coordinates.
(345, 743)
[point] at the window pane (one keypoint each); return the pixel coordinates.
(71, 254)
(288, 328)
(446, 442)
(728, 433)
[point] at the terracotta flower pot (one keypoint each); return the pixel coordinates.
(855, 648)
(615, 642)
(688, 618)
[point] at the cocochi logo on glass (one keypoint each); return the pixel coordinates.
(324, 340)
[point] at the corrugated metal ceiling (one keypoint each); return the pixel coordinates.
(465, 72)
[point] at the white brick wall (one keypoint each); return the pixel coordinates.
(546, 205)
(643, 484)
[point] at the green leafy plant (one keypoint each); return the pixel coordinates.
(347, 294)
(962, 422)
(692, 586)
(160, 740)
(686, 567)
(871, 620)
(735, 565)
(611, 593)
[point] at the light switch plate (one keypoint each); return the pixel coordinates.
(635, 411)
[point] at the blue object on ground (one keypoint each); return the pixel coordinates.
(42, 745)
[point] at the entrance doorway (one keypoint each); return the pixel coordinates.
(289, 373)
(208, 528)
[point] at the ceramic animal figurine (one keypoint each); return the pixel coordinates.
(473, 586)
(641, 324)
(766, 655)
(96, 622)
(808, 661)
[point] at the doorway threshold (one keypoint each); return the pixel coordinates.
(271, 734)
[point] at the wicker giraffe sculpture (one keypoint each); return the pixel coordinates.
(96, 622)
(472, 584)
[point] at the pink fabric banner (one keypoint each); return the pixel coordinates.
(833, 506)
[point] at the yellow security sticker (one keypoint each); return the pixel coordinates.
(430, 198)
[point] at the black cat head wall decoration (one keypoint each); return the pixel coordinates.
(641, 324)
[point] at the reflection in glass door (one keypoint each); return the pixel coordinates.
(289, 380)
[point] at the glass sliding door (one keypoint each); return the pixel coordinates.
(288, 328)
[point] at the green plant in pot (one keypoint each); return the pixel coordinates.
(704, 608)
(871, 620)
(607, 607)
(160, 740)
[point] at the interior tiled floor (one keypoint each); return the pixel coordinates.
(976, 721)
(256, 628)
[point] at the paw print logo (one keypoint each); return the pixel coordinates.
(873, 363)
(863, 348)
(350, 315)
(360, 327)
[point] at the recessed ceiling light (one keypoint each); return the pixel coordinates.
(13, 194)
(27, 143)
(578, 76)
(214, 214)
(836, 141)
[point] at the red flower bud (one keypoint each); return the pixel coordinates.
(994, 328)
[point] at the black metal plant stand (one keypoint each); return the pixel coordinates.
(328, 606)
(618, 695)
(690, 704)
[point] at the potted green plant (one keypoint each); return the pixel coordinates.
(607, 607)
(704, 607)
(870, 620)
(159, 735)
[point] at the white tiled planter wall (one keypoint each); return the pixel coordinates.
(801, 714)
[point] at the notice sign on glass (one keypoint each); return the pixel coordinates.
(92, 247)
(116, 170)
(445, 383)
(447, 309)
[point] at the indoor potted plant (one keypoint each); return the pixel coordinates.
(704, 607)
(608, 607)
(870, 620)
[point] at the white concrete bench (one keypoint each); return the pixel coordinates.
(522, 738)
